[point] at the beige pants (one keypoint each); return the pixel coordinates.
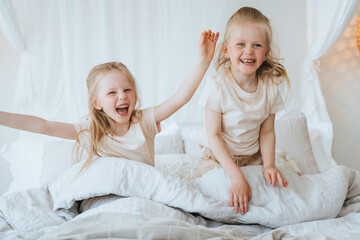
(208, 161)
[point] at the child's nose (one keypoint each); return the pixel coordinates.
(249, 49)
(122, 95)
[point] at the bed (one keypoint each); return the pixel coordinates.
(121, 199)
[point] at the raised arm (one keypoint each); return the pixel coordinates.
(37, 125)
(206, 48)
(240, 192)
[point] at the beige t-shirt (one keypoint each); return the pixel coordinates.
(137, 144)
(242, 113)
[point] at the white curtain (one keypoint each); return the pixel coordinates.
(9, 25)
(156, 39)
(11, 31)
(325, 22)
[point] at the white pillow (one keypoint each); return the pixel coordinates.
(191, 135)
(169, 140)
(25, 159)
(56, 158)
(292, 137)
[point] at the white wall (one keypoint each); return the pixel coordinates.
(340, 82)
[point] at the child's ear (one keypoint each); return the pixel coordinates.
(225, 52)
(97, 106)
(267, 52)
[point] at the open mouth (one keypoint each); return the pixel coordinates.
(247, 61)
(122, 110)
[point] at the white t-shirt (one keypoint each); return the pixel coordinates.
(242, 113)
(137, 144)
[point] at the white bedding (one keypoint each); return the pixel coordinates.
(120, 198)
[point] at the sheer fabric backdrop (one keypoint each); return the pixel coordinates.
(60, 41)
(325, 22)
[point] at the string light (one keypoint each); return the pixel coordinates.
(358, 35)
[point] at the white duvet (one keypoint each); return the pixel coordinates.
(121, 198)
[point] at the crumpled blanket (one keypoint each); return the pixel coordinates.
(113, 180)
(307, 197)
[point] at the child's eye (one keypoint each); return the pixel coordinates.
(257, 45)
(127, 90)
(241, 44)
(111, 93)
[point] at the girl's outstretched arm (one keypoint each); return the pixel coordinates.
(37, 125)
(267, 148)
(240, 192)
(206, 48)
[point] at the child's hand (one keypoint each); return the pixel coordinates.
(207, 43)
(272, 175)
(240, 194)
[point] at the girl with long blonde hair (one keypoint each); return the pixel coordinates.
(116, 126)
(240, 102)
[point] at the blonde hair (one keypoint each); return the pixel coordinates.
(270, 68)
(101, 124)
